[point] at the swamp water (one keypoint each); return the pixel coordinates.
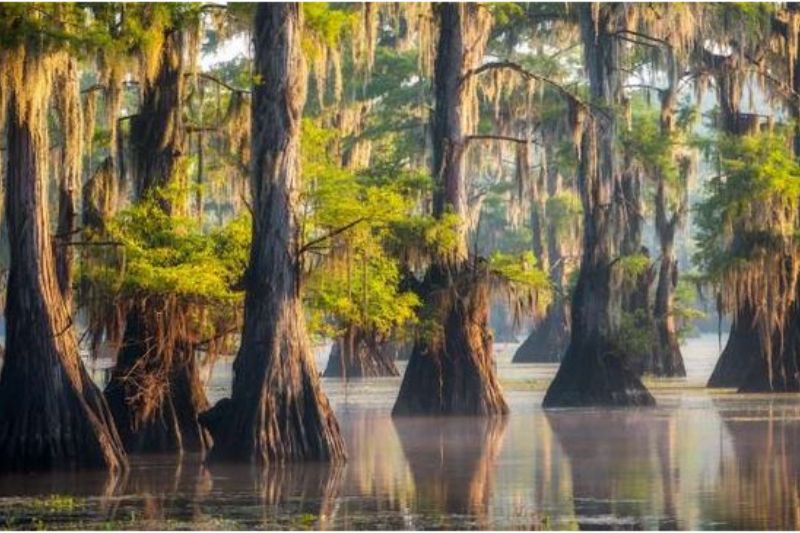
(700, 460)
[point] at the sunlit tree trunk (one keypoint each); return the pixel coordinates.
(68, 107)
(451, 370)
(594, 371)
(155, 391)
(277, 411)
(51, 414)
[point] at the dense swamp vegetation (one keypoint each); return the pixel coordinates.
(400, 265)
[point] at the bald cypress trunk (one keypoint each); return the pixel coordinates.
(451, 370)
(155, 391)
(744, 346)
(594, 371)
(667, 359)
(68, 106)
(277, 411)
(778, 368)
(51, 414)
(358, 354)
(550, 335)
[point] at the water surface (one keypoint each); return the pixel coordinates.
(700, 460)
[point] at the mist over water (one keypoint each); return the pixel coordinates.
(700, 460)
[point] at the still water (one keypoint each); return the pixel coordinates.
(700, 460)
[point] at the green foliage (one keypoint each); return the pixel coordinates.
(562, 210)
(633, 265)
(522, 270)
(683, 309)
(356, 280)
(169, 255)
(758, 185)
(635, 335)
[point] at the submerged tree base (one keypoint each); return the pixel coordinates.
(741, 354)
(593, 374)
(156, 398)
(452, 372)
(355, 356)
(547, 341)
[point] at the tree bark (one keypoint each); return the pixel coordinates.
(158, 133)
(357, 354)
(778, 368)
(51, 414)
(155, 390)
(594, 371)
(744, 345)
(277, 411)
(451, 371)
(68, 106)
(667, 360)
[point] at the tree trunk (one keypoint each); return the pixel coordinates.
(550, 336)
(594, 371)
(155, 391)
(68, 106)
(741, 352)
(451, 371)
(158, 133)
(51, 414)
(667, 360)
(277, 411)
(744, 345)
(359, 355)
(778, 368)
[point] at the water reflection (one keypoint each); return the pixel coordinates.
(700, 460)
(452, 463)
(759, 477)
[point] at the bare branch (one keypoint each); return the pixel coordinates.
(525, 73)
(330, 235)
(508, 138)
(218, 81)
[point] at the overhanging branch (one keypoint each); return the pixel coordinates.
(331, 234)
(525, 73)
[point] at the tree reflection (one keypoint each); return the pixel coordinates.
(623, 471)
(452, 463)
(759, 476)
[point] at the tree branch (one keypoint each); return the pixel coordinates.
(218, 81)
(329, 235)
(518, 140)
(525, 73)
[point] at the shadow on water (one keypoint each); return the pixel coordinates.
(452, 465)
